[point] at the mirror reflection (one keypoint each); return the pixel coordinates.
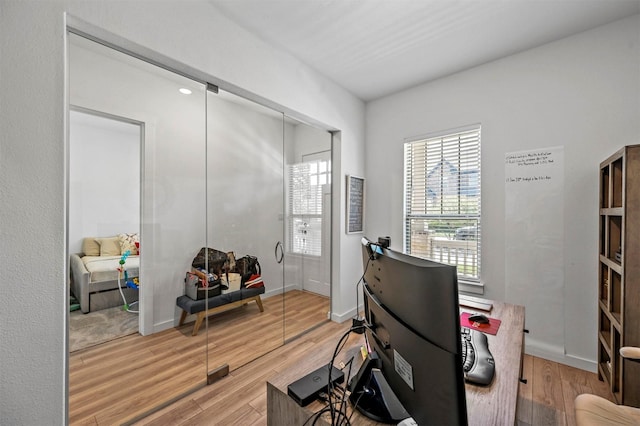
(127, 233)
(244, 220)
(307, 248)
(161, 168)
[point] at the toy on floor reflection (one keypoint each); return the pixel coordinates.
(134, 283)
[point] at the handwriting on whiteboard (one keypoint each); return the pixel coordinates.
(529, 166)
(526, 179)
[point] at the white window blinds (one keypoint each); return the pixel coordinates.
(305, 206)
(442, 196)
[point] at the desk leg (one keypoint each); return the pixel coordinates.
(522, 379)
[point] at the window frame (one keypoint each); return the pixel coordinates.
(307, 217)
(408, 216)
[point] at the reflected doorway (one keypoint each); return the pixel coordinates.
(104, 215)
(124, 379)
(308, 227)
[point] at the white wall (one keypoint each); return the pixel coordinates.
(33, 163)
(104, 178)
(309, 140)
(581, 93)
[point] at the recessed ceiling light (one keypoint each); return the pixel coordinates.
(185, 91)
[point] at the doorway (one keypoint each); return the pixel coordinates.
(308, 226)
(104, 202)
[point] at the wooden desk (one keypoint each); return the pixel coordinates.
(492, 405)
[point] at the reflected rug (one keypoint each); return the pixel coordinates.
(101, 326)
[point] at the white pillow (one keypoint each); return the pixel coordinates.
(128, 242)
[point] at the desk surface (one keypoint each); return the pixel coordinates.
(492, 405)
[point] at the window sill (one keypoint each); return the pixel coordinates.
(470, 287)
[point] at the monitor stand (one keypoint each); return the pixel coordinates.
(372, 396)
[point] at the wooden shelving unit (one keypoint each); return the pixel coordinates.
(619, 273)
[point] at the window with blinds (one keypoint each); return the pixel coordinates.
(305, 206)
(442, 196)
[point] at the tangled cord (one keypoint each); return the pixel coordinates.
(337, 408)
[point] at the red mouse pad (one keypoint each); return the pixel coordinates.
(491, 328)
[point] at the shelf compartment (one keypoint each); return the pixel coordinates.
(604, 187)
(616, 187)
(615, 304)
(603, 235)
(604, 365)
(614, 231)
(603, 292)
(616, 377)
(605, 330)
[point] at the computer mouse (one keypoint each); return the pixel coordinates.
(479, 318)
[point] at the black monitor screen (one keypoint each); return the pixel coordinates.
(411, 308)
(421, 293)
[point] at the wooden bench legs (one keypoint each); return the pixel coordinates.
(203, 314)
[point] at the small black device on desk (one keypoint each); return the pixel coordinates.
(306, 389)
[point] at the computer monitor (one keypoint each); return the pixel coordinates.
(413, 329)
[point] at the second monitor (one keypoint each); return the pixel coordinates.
(413, 327)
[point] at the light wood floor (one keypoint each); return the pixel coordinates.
(120, 381)
(547, 397)
(240, 398)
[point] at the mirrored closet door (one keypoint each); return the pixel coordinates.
(244, 220)
(242, 187)
(136, 220)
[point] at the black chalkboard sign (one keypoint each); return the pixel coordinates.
(355, 204)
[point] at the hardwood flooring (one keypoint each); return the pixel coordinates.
(240, 398)
(121, 381)
(547, 397)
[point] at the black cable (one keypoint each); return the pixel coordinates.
(339, 346)
(337, 417)
(355, 406)
(358, 286)
(316, 415)
(343, 408)
(338, 414)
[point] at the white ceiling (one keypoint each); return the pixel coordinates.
(377, 47)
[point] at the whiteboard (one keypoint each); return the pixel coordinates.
(534, 241)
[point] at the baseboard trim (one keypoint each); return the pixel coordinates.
(277, 291)
(164, 325)
(340, 318)
(531, 348)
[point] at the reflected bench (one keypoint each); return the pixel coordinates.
(217, 304)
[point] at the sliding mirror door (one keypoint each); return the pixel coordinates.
(206, 170)
(245, 220)
(307, 245)
(139, 212)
